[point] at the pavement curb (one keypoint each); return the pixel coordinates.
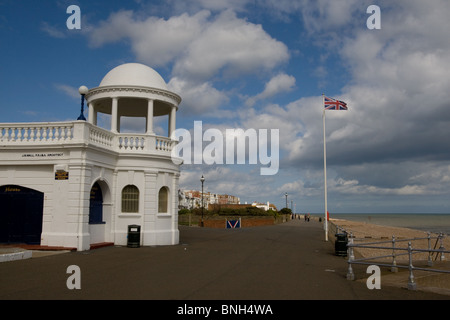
(15, 255)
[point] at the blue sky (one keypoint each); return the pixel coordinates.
(263, 64)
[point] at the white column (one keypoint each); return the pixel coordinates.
(114, 115)
(174, 213)
(150, 117)
(95, 117)
(172, 120)
(91, 113)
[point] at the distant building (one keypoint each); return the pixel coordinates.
(267, 206)
(191, 199)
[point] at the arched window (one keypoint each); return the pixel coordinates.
(130, 199)
(163, 200)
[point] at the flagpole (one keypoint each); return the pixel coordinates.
(325, 168)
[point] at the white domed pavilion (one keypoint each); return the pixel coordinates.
(133, 90)
(88, 185)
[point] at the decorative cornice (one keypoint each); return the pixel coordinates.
(149, 90)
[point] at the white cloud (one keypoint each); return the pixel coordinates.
(298, 189)
(202, 49)
(227, 180)
(233, 46)
(325, 15)
(68, 90)
(55, 32)
(397, 91)
(396, 123)
(200, 45)
(278, 84)
(193, 6)
(198, 99)
(155, 41)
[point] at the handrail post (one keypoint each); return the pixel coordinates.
(430, 260)
(351, 257)
(411, 284)
(441, 238)
(394, 262)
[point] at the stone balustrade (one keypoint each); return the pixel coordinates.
(23, 133)
(53, 133)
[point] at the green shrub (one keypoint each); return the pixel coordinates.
(245, 211)
(198, 211)
(184, 211)
(285, 211)
(272, 212)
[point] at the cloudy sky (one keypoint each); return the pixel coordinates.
(263, 64)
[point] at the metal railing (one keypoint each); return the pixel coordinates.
(409, 251)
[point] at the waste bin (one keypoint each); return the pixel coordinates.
(134, 236)
(340, 246)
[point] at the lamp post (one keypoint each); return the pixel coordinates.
(286, 199)
(83, 90)
(202, 179)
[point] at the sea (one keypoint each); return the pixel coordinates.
(421, 221)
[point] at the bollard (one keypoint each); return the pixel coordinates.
(394, 262)
(441, 239)
(351, 257)
(430, 259)
(411, 283)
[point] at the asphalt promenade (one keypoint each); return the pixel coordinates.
(289, 261)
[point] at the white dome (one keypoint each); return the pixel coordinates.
(134, 74)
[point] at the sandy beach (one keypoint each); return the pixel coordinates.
(366, 233)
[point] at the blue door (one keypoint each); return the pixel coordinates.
(96, 205)
(21, 211)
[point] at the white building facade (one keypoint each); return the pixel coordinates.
(265, 206)
(191, 199)
(74, 184)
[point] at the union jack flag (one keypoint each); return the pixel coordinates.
(333, 104)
